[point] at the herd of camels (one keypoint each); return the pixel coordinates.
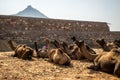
(108, 60)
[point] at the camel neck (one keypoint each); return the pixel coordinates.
(13, 47)
(87, 54)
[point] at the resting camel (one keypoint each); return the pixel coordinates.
(74, 44)
(107, 61)
(106, 46)
(21, 51)
(41, 53)
(57, 55)
(73, 51)
(117, 42)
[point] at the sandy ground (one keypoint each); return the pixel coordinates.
(12, 68)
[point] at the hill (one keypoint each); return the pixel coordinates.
(30, 12)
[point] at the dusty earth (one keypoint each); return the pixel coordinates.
(12, 68)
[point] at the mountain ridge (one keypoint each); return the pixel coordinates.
(29, 11)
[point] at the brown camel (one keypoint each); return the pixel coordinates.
(117, 42)
(21, 51)
(41, 53)
(106, 46)
(57, 55)
(73, 51)
(107, 61)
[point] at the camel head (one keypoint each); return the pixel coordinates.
(117, 42)
(116, 50)
(56, 43)
(28, 53)
(65, 47)
(12, 44)
(101, 42)
(73, 38)
(79, 43)
(86, 51)
(10, 41)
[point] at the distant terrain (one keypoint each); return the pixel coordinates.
(30, 12)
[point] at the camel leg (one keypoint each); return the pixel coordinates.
(23, 56)
(117, 69)
(96, 62)
(15, 55)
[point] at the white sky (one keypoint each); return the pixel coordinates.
(87, 10)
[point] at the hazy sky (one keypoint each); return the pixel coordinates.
(87, 10)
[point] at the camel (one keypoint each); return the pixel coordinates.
(57, 55)
(73, 51)
(106, 46)
(41, 53)
(117, 42)
(107, 61)
(74, 44)
(21, 51)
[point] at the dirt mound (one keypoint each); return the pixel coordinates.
(12, 68)
(4, 46)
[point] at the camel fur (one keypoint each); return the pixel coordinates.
(21, 51)
(57, 55)
(107, 61)
(107, 46)
(41, 53)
